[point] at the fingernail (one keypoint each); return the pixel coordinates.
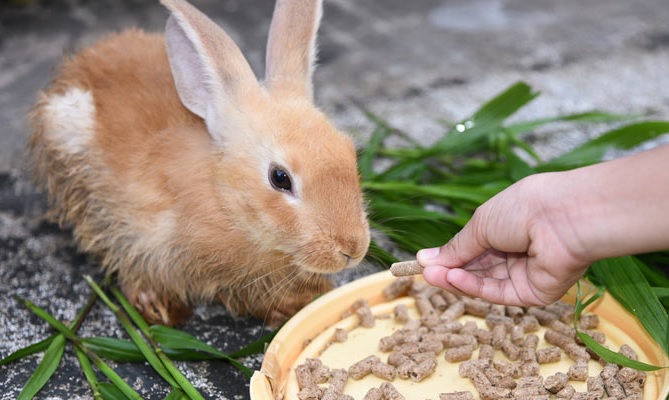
(428, 254)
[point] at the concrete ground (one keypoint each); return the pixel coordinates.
(410, 62)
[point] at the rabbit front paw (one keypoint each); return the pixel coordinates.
(158, 309)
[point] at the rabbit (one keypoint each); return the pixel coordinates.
(193, 182)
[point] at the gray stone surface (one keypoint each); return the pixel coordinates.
(411, 62)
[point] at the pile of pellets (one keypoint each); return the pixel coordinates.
(412, 351)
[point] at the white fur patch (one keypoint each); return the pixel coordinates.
(70, 119)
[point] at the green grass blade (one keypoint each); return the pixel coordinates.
(172, 374)
(114, 349)
(623, 138)
(151, 357)
(179, 340)
(591, 116)
(255, 347)
(623, 278)
(613, 357)
(111, 392)
(28, 350)
(45, 369)
(88, 372)
(443, 192)
(176, 394)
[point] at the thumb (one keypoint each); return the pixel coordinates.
(460, 250)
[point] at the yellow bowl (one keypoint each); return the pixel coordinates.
(308, 332)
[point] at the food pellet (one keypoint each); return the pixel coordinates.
(373, 394)
(363, 367)
(578, 371)
(595, 386)
(588, 321)
(476, 307)
(530, 323)
(454, 311)
(303, 376)
(556, 382)
(544, 317)
(486, 352)
(395, 359)
(510, 350)
(424, 306)
(422, 370)
(390, 392)
(530, 368)
(517, 335)
(319, 373)
(406, 268)
(384, 371)
(313, 392)
(613, 388)
(398, 288)
(457, 354)
(457, 340)
(549, 355)
(367, 320)
(456, 396)
(340, 335)
(483, 336)
(563, 328)
(387, 343)
(401, 313)
(507, 368)
(498, 336)
(438, 301)
(566, 392)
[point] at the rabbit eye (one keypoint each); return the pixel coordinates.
(280, 179)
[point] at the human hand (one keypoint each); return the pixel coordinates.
(520, 248)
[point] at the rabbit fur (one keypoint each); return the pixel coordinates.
(192, 181)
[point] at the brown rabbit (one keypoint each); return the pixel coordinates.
(191, 180)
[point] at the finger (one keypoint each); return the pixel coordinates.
(436, 276)
(498, 291)
(464, 247)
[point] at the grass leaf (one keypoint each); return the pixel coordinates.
(613, 357)
(625, 281)
(38, 347)
(45, 369)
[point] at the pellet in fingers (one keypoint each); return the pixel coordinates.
(406, 268)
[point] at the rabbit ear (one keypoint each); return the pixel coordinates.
(210, 72)
(291, 46)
